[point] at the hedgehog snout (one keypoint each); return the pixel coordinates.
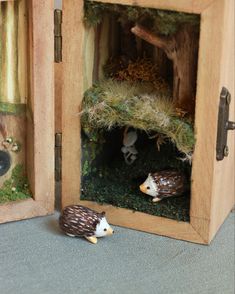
(110, 231)
(143, 188)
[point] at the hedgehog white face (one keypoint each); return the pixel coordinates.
(149, 187)
(103, 229)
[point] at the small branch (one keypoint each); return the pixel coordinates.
(148, 36)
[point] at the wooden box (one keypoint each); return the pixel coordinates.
(37, 126)
(212, 189)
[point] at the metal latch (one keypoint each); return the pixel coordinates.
(58, 35)
(223, 125)
(58, 156)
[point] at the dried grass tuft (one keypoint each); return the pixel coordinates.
(111, 104)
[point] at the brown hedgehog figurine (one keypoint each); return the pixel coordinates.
(163, 184)
(77, 220)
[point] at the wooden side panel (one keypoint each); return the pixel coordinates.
(208, 91)
(72, 94)
(190, 6)
(40, 118)
(43, 97)
(207, 207)
(224, 175)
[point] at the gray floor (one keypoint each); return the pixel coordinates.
(35, 257)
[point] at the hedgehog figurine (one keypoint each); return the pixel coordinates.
(163, 184)
(77, 220)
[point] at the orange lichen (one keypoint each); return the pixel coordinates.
(141, 70)
(138, 71)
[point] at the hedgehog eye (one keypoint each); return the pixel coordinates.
(148, 188)
(105, 230)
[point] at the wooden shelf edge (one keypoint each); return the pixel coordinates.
(24, 209)
(147, 223)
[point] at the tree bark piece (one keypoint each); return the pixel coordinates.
(148, 36)
(182, 49)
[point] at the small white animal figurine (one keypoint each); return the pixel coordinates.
(77, 220)
(128, 149)
(163, 184)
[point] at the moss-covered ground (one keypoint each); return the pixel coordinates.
(108, 179)
(15, 188)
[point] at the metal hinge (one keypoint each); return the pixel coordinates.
(58, 156)
(58, 34)
(224, 125)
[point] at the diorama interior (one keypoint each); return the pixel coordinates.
(138, 115)
(15, 104)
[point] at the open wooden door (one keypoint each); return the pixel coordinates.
(224, 171)
(26, 109)
(213, 180)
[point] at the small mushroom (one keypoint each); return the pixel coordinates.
(7, 142)
(128, 149)
(16, 147)
(130, 138)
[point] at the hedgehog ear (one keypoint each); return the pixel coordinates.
(103, 213)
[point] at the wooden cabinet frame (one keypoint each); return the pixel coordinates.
(212, 195)
(40, 123)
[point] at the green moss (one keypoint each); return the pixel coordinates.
(164, 22)
(15, 188)
(12, 108)
(116, 183)
(111, 104)
(90, 150)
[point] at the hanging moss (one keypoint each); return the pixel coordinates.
(111, 104)
(162, 21)
(90, 150)
(15, 188)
